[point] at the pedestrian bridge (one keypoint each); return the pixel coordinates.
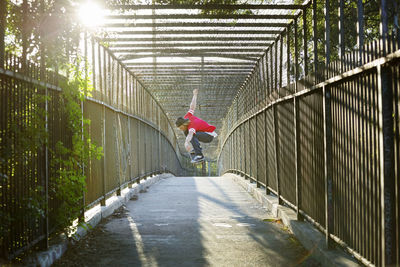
(305, 98)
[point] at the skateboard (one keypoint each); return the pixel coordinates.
(192, 155)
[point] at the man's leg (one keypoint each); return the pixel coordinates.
(204, 137)
(196, 145)
(200, 137)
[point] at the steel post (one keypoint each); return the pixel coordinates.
(305, 50)
(296, 55)
(267, 191)
(45, 243)
(276, 154)
(329, 221)
(3, 25)
(360, 31)
(297, 157)
(386, 144)
(327, 39)
(315, 40)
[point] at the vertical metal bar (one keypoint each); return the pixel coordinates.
(118, 141)
(327, 38)
(245, 150)
(159, 140)
(384, 30)
(257, 156)
(93, 63)
(315, 39)
(276, 67)
(138, 152)
(104, 159)
(264, 78)
(328, 165)
(105, 80)
(118, 104)
(250, 144)
(296, 54)
(85, 36)
(122, 86)
(360, 31)
(3, 13)
(397, 27)
(341, 32)
(267, 67)
(131, 94)
(305, 50)
(288, 55)
(129, 153)
(297, 157)
(99, 71)
(271, 65)
(386, 143)
(280, 60)
(24, 33)
(276, 154)
(202, 73)
(45, 242)
(109, 79)
(267, 191)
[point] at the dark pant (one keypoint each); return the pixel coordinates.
(200, 137)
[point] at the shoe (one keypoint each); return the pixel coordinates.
(197, 159)
(192, 154)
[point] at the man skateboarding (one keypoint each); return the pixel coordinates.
(196, 131)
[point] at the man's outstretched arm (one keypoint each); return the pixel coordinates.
(194, 100)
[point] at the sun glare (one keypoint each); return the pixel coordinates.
(91, 15)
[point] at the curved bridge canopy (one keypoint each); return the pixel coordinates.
(174, 49)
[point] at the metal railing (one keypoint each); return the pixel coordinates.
(137, 139)
(328, 146)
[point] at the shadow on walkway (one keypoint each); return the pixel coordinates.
(189, 221)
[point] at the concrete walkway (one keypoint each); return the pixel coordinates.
(189, 221)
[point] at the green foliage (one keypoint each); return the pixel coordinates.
(70, 182)
(25, 139)
(52, 27)
(35, 24)
(371, 27)
(21, 140)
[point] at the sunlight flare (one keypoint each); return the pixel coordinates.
(91, 14)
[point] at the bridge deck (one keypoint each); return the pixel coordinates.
(189, 221)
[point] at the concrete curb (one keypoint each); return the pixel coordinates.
(309, 236)
(92, 218)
